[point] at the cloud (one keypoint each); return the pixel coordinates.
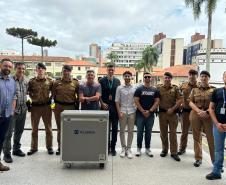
(76, 24)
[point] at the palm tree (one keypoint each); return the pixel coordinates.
(42, 42)
(209, 9)
(22, 34)
(149, 59)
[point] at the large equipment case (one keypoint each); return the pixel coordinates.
(84, 137)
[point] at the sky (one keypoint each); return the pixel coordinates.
(77, 23)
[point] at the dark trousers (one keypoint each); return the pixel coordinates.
(16, 125)
(113, 124)
(4, 125)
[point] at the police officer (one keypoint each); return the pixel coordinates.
(65, 94)
(39, 90)
(186, 89)
(199, 116)
(170, 100)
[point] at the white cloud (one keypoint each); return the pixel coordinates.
(76, 24)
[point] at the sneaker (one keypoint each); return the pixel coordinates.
(129, 154)
(213, 176)
(3, 168)
(148, 152)
(7, 158)
(197, 163)
(123, 153)
(138, 152)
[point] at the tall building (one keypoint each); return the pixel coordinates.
(128, 54)
(191, 50)
(196, 37)
(217, 63)
(158, 37)
(170, 52)
(95, 51)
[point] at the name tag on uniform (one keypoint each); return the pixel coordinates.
(222, 111)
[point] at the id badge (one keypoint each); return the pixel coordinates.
(110, 97)
(222, 111)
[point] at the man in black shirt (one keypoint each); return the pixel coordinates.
(147, 100)
(217, 111)
(109, 85)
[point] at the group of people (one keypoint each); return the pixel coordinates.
(200, 105)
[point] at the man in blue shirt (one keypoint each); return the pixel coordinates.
(217, 111)
(7, 101)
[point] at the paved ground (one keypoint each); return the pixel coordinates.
(44, 169)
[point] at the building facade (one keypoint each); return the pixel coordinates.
(170, 52)
(128, 54)
(95, 52)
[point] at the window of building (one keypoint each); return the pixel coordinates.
(79, 68)
(59, 64)
(48, 63)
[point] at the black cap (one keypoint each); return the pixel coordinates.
(168, 74)
(41, 65)
(205, 73)
(192, 72)
(67, 67)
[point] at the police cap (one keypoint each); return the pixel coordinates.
(168, 74)
(67, 67)
(205, 73)
(41, 65)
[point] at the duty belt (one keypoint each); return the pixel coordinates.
(162, 110)
(40, 104)
(64, 103)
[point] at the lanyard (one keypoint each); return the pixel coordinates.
(224, 97)
(110, 84)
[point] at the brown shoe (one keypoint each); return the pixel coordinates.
(3, 168)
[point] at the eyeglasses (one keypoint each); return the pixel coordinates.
(147, 77)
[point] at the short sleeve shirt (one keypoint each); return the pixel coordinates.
(146, 96)
(89, 91)
(218, 100)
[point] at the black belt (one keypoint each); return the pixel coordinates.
(40, 104)
(186, 110)
(162, 110)
(64, 103)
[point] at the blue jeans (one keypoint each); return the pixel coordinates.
(147, 124)
(219, 139)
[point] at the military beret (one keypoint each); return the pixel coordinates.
(205, 73)
(168, 74)
(41, 65)
(67, 67)
(192, 72)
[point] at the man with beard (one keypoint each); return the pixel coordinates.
(89, 93)
(18, 120)
(7, 101)
(65, 95)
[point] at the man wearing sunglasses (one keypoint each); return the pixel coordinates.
(170, 100)
(65, 95)
(146, 99)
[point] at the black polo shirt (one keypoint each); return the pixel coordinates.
(109, 89)
(218, 100)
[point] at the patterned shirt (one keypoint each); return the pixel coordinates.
(22, 86)
(7, 95)
(124, 95)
